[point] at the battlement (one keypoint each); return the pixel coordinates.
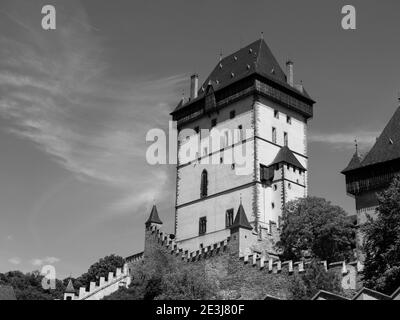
(104, 287)
(275, 266)
(166, 240)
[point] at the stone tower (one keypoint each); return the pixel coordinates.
(248, 123)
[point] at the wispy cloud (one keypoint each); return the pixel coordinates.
(15, 260)
(37, 262)
(345, 140)
(65, 101)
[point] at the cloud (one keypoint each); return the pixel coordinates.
(345, 140)
(91, 122)
(37, 262)
(15, 260)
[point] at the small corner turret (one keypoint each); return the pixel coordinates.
(69, 293)
(153, 219)
(242, 237)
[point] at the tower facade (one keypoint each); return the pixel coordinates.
(242, 142)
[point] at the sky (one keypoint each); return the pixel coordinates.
(77, 102)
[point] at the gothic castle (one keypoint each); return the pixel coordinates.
(229, 223)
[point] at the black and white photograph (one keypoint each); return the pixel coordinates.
(199, 155)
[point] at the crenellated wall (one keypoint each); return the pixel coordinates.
(105, 287)
(243, 276)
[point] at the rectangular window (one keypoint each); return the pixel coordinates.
(276, 114)
(232, 114)
(197, 129)
(229, 218)
(285, 139)
(273, 135)
(205, 151)
(213, 123)
(202, 225)
(288, 120)
(226, 142)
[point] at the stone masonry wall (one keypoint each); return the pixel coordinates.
(248, 277)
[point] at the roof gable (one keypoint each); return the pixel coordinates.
(325, 295)
(368, 294)
(286, 155)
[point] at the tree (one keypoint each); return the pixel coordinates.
(382, 242)
(305, 286)
(161, 277)
(28, 286)
(99, 269)
(314, 226)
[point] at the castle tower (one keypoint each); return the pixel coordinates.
(252, 108)
(69, 293)
(372, 174)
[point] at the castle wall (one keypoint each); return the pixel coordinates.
(215, 210)
(251, 276)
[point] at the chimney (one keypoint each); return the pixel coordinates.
(289, 72)
(194, 86)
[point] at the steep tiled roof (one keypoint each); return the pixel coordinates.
(386, 147)
(326, 295)
(286, 155)
(153, 218)
(7, 293)
(254, 58)
(375, 294)
(241, 220)
(354, 163)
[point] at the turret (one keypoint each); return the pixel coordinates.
(242, 236)
(69, 293)
(153, 219)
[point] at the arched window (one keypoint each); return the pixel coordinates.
(204, 184)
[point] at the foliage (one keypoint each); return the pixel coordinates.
(304, 286)
(382, 242)
(99, 269)
(162, 278)
(314, 226)
(28, 286)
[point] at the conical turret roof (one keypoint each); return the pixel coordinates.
(153, 218)
(241, 219)
(70, 287)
